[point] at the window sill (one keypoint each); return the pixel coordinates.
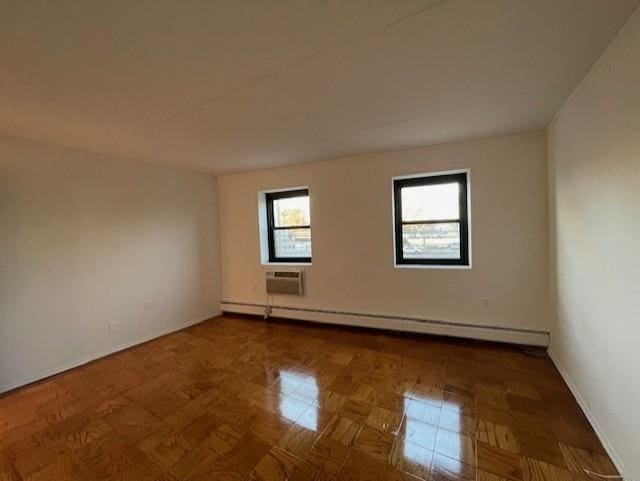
(290, 264)
(431, 266)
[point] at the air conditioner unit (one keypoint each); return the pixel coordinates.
(285, 282)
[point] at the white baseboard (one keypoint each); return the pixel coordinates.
(397, 323)
(606, 443)
(92, 357)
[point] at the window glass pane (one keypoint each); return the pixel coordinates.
(292, 242)
(291, 211)
(431, 241)
(431, 202)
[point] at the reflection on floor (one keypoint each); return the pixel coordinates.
(240, 399)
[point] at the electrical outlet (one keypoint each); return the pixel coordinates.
(113, 326)
(147, 304)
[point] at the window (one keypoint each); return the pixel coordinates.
(289, 226)
(431, 220)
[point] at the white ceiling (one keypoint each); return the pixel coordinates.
(230, 85)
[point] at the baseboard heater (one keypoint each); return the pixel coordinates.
(397, 323)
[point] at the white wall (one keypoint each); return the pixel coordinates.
(353, 242)
(84, 240)
(594, 173)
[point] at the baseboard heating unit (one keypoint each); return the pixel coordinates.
(396, 323)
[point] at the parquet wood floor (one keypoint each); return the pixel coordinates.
(243, 399)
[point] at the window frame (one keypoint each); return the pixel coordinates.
(462, 178)
(270, 197)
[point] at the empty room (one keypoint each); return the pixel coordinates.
(320, 240)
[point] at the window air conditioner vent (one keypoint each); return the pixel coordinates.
(285, 282)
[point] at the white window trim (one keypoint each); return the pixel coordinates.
(263, 227)
(393, 220)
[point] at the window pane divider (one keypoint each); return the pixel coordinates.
(289, 227)
(419, 222)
